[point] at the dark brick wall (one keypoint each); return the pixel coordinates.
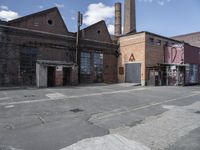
(110, 68)
(191, 54)
(47, 21)
(59, 46)
(9, 62)
(48, 48)
(98, 32)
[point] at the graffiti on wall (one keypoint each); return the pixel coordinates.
(174, 54)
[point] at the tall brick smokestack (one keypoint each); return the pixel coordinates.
(129, 16)
(118, 19)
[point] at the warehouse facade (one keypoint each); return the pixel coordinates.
(150, 59)
(39, 50)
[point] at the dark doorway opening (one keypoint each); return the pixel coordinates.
(51, 76)
(66, 76)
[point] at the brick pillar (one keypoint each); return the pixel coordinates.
(74, 75)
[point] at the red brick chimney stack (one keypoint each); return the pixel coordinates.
(129, 16)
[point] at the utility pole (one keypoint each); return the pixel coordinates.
(79, 24)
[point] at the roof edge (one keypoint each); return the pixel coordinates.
(187, 34)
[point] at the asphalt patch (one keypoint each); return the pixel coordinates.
(76, 110)
(134, 123)
(29, 95)
(197, 112)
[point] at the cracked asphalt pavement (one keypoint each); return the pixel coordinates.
(55, 118)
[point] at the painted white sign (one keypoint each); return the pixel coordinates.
(59, 68)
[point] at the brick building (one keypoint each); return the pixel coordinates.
(181, 64)
(191, 38)
(141, 54)
(39, 50)
(150, 59)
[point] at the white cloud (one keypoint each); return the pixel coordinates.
(6, 14)
(160, 2)
(59, 5)
(4, 7)
(97, 12)
(73, 18)
(111, 28)
(40, 6)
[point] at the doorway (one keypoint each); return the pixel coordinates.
(51, 77)
(66, 76)
(133, 73)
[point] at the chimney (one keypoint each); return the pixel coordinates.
(118, 19)
(129, 16)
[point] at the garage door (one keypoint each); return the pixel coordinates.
(133, 73)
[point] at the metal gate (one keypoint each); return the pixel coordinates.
(133, 73)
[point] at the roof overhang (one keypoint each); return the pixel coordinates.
(55, 63)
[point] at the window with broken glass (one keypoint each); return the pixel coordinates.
(28, 58)
(85, 63)
(98, 62)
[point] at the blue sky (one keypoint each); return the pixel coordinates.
(164, 17)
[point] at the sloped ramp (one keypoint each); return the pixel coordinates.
(108, 142)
